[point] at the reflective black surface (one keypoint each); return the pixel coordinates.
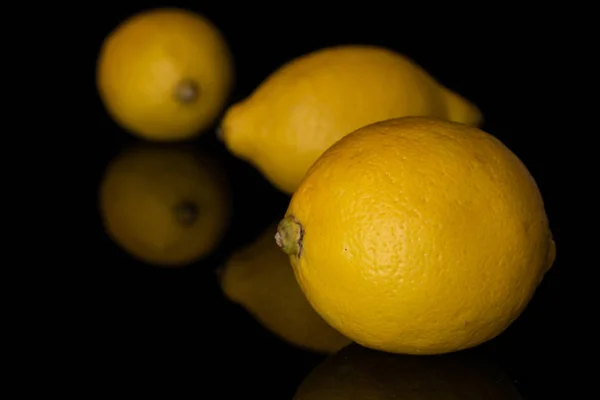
(152, 322)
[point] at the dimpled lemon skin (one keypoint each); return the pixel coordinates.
(260, 278)
(419, 236)
(165, 74)
(314, 100)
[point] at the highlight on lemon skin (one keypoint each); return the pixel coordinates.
(165, 205)
(357, 373)
(259, 278)
(165, 74)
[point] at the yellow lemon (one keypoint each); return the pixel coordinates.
(418, 235)
(165, 74)
(260, 278)
(357, 373)
(314, 100)
(167, 206)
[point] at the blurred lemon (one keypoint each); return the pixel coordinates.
(418, 235)
(357, 373)
(165, 74)
(314, 100)
(167, 206)
(260, 278)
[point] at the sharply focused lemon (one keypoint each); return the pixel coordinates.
(165, 74)
(357, 373)
(314, 100)
(418, 235)
(167, 206)
(260, 278)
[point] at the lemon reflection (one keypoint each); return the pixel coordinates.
(260, 278)
(358, 373)
(167, 205)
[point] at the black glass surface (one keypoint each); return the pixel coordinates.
(150, 322)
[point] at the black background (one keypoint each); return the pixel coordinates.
(149, 322)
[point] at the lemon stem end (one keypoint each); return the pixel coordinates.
(289, 236)
(187, 91)
(186, 213)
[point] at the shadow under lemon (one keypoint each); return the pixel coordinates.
(358, 373)
(260, 278)
(167, 205)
